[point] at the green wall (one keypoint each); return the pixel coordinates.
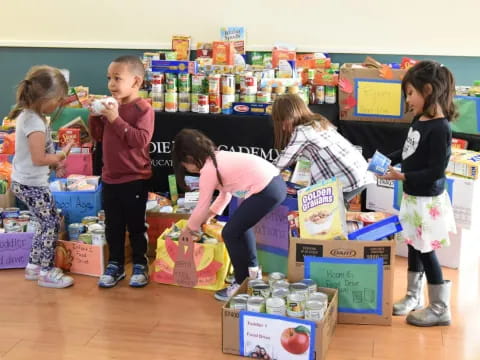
(88, 66)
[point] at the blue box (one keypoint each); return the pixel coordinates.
(175, 66)
(378, 231)
(243, 108)
(76, 205)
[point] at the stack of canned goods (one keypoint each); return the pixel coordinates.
(14, 220)
(90, 231)
(300, 300)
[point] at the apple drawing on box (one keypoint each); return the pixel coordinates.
(296, 340)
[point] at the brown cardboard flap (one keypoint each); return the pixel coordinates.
(378, 95)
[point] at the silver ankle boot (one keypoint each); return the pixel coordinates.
(438, 311)
(414, 299)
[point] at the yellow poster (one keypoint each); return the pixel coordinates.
(379, 98)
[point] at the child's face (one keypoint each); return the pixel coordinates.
(122, 83)
(51, 105)
(415, 100)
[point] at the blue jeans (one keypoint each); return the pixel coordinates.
(238, 232)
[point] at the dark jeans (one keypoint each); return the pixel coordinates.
(238, 232)
(124, 206)
(428, 262)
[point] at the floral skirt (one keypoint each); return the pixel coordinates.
(426, 221)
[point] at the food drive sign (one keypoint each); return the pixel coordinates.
(275, 337)
(15, 249)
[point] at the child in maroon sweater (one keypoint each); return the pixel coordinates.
(125, 130)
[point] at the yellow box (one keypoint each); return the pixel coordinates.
(465, 163)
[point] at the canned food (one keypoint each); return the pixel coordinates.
(238, 303)
(171, 83)
(256, 304)
(194, 102)
(251, 284)
(320, 94)
(264, 97)
(293, 89)
(275, 306)
(282, 284)
(171, 102)
(214, 84)
(319, 296)
(85, 238)
(330, 94)
(314, 310)
(101, 216)
(312, 285)
(184, 83)
(279, 90)
(248, 98)
(199, 84)
(286, 174)
(228, 84)
(296, 305)
(215, 103)
(22, 212)
(158, 101)
(281, 293)
(184, 102)
(203, 107)
(250, 85)
(74, 231)
(261, 290)
(23, 221)
(299, 288)
(98, 237)
(32, 226)
(12, 226)
(87, 220)
(158, 78)
(227, 104)
(274, 277)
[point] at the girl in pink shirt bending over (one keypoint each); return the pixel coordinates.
(232, 174)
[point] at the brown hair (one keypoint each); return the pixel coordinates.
(135, 65)
(289, 111)
(443, 87)
(41, 84)
(192, 146)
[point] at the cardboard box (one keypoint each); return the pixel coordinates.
(223, 53)
(7, 200)
(299, 248)
(243, 108)
(324, 329)
(464, 163)
(15, 249)
(367, 96)
(157, 223)
(80, 258)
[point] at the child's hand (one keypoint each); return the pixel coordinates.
(61, 171)
(66, 149)
(392, 174)
(110, 111)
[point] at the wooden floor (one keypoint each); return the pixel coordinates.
(167, 322)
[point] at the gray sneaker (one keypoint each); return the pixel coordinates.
(140, 276)
(112, 275)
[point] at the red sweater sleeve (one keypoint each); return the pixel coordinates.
(137, 136)
(96, 125)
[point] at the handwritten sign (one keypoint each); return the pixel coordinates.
(272, 230)
(266, 336)
(382, 98)
(359, 282)
(15, 250)
(80, 258)
(78, 204)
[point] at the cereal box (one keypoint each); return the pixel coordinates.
(181, 45)
(322, 211)
(465, 163)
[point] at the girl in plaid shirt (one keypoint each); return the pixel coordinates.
(300, 132)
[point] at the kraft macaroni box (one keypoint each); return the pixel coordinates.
(321, 211)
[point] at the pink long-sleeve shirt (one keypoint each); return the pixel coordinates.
(125, 142)
(243, 175)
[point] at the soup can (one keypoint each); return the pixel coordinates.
(85, 238)
(214, 84)
(215, 103)
(11, 212)
(199, 84)
(281, 284)
(261, 290)
(314, 310)
(184, 102)
(171, 102)
(281, 293)
(251, 284)
(74, 231)
(239, 303)
(275, 306)
(194, 102)
(171, 83)
(299, 288)
(296, 305)
(227, 104)
(256, 304)
(98, 237)
(228, 84)
(274, 277)
(312, 285)
(184, 83)
(203, 107)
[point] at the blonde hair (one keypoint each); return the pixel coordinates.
(41, 84)
(288, 112)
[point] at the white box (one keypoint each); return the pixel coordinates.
(380, 196)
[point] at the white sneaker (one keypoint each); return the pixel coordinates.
(54, 278)
(32, 271)
(225, 294)
(255, 272)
